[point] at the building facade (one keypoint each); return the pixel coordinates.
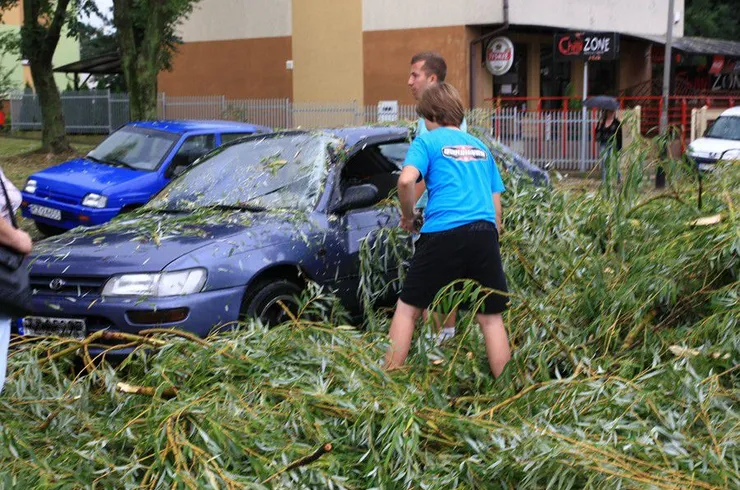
(68, 50)
(359, 50)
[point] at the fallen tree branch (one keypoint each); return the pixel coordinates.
(326, 448)
(170, 392)
(104, 335)
(45, 424)
(176, 333)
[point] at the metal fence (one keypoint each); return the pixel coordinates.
(102, 112)
(546, 138)
(93, 112)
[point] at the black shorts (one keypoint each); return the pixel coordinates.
(467, 252)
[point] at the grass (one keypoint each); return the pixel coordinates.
(20, 157)
(624, 327)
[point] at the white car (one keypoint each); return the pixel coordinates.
(720, 142)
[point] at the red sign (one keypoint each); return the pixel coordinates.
(591, 46)
(500, 56)
(717, 64)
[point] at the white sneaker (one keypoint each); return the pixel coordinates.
(446, 334)
(443, 336)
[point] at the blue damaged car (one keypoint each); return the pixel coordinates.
(238, 234)
(122, 173)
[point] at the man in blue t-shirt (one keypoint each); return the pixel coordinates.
(428, 68)
(459, 238)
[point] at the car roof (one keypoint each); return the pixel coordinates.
(355, 135)
(733, 111)
(186, 126)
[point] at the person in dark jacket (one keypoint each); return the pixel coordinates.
(609, 137)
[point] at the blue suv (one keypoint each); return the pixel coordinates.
(123, 172)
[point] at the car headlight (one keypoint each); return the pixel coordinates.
(158, 284)
(31, 185)
(95, 201)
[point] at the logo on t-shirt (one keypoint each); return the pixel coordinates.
(464, 153)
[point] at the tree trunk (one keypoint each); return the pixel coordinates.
(139, 58)
(39, 40)
(53, 133)
(145, 106)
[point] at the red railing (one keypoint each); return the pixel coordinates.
(679, 109)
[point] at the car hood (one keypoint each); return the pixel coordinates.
(150, 242)
(80, 177)
(711, 147)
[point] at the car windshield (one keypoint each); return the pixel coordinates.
(137, 148)
(726, 128)
(278, 172)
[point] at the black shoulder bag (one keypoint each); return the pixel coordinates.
(15, 287)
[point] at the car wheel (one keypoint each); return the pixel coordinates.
(48, 230)
(263, 301)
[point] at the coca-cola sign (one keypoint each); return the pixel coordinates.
(499, 55)
(591, 46)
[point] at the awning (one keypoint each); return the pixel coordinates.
(106, 64)
(700, 45)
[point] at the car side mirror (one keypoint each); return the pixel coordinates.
(355, 197)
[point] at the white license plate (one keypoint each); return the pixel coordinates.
(45, 212)
(39, 326)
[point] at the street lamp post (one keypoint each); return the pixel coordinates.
(660, 173)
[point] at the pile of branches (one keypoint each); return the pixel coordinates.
(623, 323)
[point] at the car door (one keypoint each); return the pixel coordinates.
(372, 245)
(192, 148)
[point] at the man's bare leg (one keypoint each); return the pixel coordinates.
(497, 341)
(402, 329)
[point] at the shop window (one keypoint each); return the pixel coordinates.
(554, 77)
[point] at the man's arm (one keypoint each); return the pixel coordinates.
(420, 188)
(499, 213)
(407, 196)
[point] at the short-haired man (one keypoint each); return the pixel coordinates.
(459, 238)
(428, 68)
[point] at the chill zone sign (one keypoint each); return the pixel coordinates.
(591, 46)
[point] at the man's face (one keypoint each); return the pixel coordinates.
(418, 79)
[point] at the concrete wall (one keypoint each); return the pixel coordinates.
(327, 51)
(239, 68)
(219, 20)
(634, 64)
(68, 50)
(13, 16)
(245, 19)
(381, 15)
(388, 54)
(630, 16)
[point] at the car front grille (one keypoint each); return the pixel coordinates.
(67, 286)
(57, 196)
